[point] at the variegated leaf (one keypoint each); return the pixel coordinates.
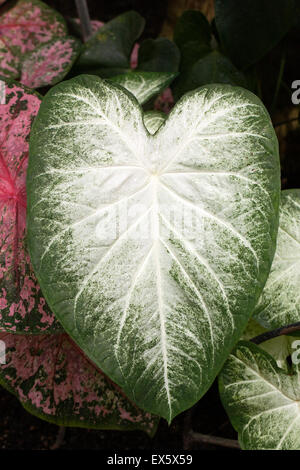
(152, 250)
(23, 28)
(54, 381)
(261, 399)
(153, 120)
(279, 347)
(49, 63)
(22, 306)
(279, 304)
(144, 85)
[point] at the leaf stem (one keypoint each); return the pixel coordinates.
(284, 330)
(59, 438)
(189, 436)
(214, 440)
(279, 80)
(84, 17)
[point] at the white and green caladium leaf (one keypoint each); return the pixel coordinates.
(280, 301)
(261, 399)
(144, 85)
(152, 250)
(153, 120)
(279, 347)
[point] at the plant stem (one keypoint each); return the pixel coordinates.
(279, 79)
(84, 17)
(284, 330)
(214, 440)
(59, 438)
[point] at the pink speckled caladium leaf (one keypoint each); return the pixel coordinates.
(22, 306)
(50, 63)
(56, 382)
(22, 29)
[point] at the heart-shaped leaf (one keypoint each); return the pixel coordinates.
(144, 85)
(152, 250)
(54, 381)
(280, 301)
(23, 28)
(50, 63)
(111, 45)
(192, 26)
(261, 399)
(158, 55)
(249, 29)
(22, 306)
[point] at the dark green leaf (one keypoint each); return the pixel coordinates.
(212, 68)
(111, 45)
(249, 29)
(191, 52)
(192, 26)
(158, 55)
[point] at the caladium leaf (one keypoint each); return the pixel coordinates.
(213, 67)
(158, 55)
(192, 26)
(153, 120)
(50, 63)
(111, 45)
(279, 347)
(22, 29)
(55, 381)
(152, 250)
(261, 399)
(280, 301)
(144, 85)
(22, 306)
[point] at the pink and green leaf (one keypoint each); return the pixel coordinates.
(23, 28)
(22, 306)
(54, 381)
(50, 63)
